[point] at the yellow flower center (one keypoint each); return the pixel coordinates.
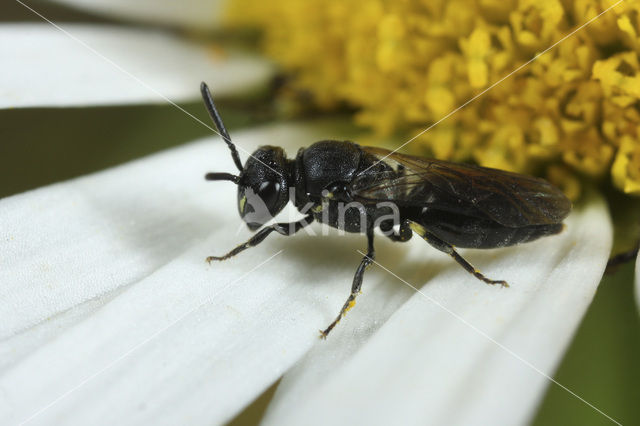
(406, 64)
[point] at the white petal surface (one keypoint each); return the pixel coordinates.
(134, 327)
(201, 14)
(181, 341)
(431, 364)
(72, 243)
(42, 66)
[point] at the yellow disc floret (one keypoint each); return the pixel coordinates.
(405, 64)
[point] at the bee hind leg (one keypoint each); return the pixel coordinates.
(448, 248)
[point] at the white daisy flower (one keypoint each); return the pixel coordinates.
(110, 315)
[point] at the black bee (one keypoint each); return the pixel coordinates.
(447, 204)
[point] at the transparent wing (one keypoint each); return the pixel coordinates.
(510, 199)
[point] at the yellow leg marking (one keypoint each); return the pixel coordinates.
(349, 306)
(418, 229)
(343, 312)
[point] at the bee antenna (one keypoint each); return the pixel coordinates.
(222, 176)
(215, 116)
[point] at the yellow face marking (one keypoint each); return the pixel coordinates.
(317, 209)
(242, 203)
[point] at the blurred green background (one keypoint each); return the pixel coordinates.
(42, 146)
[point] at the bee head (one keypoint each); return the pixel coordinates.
(263, 190)
(262, 183)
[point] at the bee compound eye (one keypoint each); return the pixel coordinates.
(269, 192)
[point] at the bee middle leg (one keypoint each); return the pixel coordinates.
(286, 229)
(356, 285)
(448, 248)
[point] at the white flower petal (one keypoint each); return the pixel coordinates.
(69, 243)
(42, 66)
(431, 364)
(183, 342)
(19, 345)
(201, 14)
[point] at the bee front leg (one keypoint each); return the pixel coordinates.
(286, 229)
(448, 248)
(356, 285)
